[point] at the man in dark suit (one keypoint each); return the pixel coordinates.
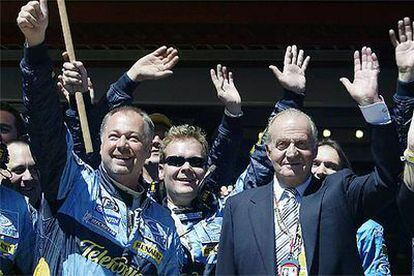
(296, 223)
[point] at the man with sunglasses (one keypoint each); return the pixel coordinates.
(183, 165)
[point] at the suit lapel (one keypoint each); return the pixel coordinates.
(310, 219)
(261, 217)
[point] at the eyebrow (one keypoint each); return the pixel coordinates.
(6, 126)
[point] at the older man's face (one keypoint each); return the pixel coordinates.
(124, 148)
(291, 149)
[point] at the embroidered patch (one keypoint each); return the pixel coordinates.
(88, 218)
(99, 254)
(209, 248)
(7, 228)
(189, 216)
(149, 250)
(6, 248)
(110, 204)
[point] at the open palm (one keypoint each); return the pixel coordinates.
(294, 67)
(364, 88)
(226, 90)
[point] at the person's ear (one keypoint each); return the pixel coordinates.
(161, 172)
(268, 152)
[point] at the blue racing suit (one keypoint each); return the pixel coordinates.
(16, 234)
(372, 250)
(199, 229)
(199, 234)
(223, 152)
(87, 225)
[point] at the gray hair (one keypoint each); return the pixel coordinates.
(292, 112)
(148, 134)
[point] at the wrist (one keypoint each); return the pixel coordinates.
(234, 110)
(135, 76)
(32, 42)
(369, 100)
(406, 75)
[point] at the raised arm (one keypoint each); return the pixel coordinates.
(367, 195)
(225, 147)
(293, 80)
(156, 65)
(404, 96)
(46, 128)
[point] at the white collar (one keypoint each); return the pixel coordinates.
(278, 189)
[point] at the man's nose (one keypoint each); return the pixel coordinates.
(157, 139)
(27, 176)
(122, 142)
(186, 167)
(320, 171)
(291, 151)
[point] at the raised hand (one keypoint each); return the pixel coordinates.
(226, 90)
(32, 21)
(61, 87)
(364, 89)
(294, 67)
(404, 49)
(65, 93)
(74, 77)
(154, 66)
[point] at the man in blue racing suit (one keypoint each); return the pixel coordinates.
(16, 228)
(91, 221)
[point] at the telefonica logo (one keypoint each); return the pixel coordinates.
(98, 254)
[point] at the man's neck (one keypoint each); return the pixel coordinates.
(150, 172)
(171, 204)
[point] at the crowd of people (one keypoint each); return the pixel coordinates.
(149, 198)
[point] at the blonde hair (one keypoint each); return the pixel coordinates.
(183, 132)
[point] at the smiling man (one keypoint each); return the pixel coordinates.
(91, 221)
(183, 165)
(300, 224)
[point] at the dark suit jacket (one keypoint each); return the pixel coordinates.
(405, 202)
(330, 214)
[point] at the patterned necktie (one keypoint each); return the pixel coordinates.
(287, 221)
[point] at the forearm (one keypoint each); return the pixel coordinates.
(403, 110)
(46, 128)
(121, 92)
(224, 151)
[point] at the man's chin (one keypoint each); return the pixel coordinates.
(153, 159)
(119, 170)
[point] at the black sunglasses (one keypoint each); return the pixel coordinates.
(178, 161)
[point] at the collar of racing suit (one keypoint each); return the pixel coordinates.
(120, 190)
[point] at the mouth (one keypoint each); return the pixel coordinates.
(27, 188)
(292, 164)
(122, 159)
(187, 181)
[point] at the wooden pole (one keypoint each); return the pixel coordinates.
(78, 95)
